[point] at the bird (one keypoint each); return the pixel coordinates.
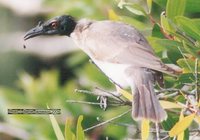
(122, 53)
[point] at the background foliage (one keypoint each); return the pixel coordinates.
(33, 80)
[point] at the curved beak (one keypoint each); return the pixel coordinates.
(38, 30)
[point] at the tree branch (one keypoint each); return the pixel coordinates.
(196, 80)
(105, 122)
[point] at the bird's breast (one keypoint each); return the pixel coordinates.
(115, 72)
(98, 52)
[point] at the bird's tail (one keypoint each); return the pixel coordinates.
(145, 103)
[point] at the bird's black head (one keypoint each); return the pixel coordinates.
(61, 25)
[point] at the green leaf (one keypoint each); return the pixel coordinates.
(191, 49)
(175, 8)
(186, 134)
(134, 8)
(184, 64)
(169, 47)
(170, 122)
(161, 3)
(192, 6)
(149, 4)
(163, 44)
(165, 23)
(185, 78)
(136, 23)
(189, 27)
(114, 133)
(169, 81)
(173, 55)
(56, 127)
(69, 135)
(79, 130)
(156, 32)
(196, 22)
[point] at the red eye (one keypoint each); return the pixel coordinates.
(54, 25)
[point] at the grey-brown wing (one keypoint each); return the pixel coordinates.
(117, 42)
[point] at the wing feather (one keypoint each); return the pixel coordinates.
(117, 42)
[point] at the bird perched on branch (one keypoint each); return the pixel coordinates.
(122, 53)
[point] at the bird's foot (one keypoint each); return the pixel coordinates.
(103, 101)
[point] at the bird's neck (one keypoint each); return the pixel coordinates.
(82, 25)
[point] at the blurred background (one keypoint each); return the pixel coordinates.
(47, 70)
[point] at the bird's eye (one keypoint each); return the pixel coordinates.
(54, 25)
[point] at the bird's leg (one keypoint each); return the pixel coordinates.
(103, 101)
(104, 95)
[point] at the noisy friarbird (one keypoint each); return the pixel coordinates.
(121, 52)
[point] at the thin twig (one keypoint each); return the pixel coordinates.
(186, 60)
(180, 33)
(83, 102)
(105, 122)
(139, 131)
(85, 91)
(152, 20)
(125, 103)
(190, 84)
(109, 94)
(194, 136)
(100, 92)
(122, 124)
(190, 131)
(168, 95)
(196, 80)
(185, 37)
(173, 90)
(194, 130)
(94, 103)
(166, 137)
(175, 93)
(155, 131)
